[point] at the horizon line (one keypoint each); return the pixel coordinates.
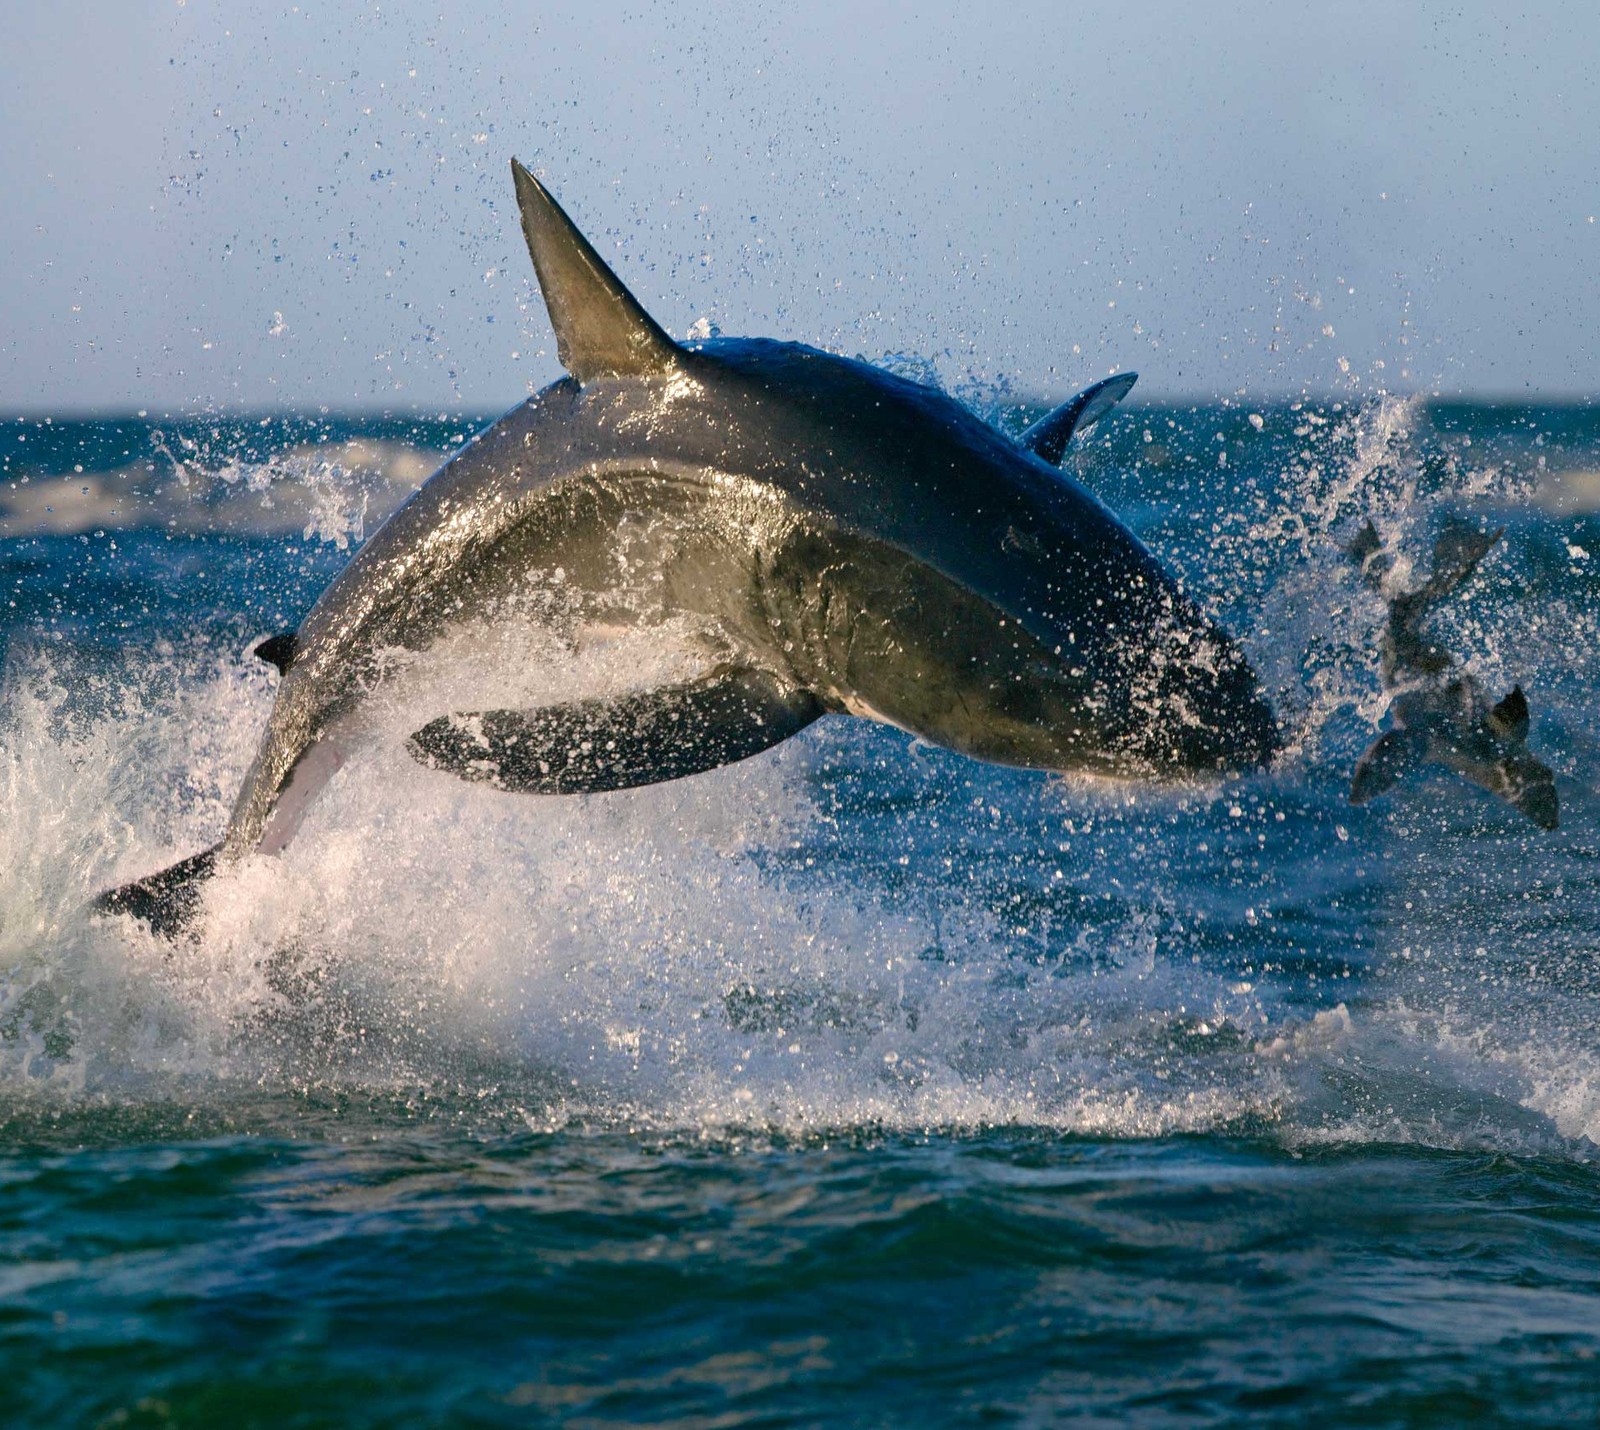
(428, 413)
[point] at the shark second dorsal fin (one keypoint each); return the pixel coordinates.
(601, 331)
(1048, 437)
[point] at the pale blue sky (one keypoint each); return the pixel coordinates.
(260, 205)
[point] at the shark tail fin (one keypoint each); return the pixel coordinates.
(601, 330)
(166, 901)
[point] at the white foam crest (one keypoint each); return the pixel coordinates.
(1551, 1073)
(635, 949)
(104, 774)
(1380, 1075)
(1565, 1087)
(665, 955)
(1503, 1002)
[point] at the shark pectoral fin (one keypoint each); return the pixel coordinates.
(1048, 437)
(600, 328)
(1509, 719)
(641, 738)
(167, 901)
(1393, 754)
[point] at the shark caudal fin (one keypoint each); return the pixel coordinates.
(167, 901)
(601, 330)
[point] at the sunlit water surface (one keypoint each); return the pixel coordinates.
(856, 1083)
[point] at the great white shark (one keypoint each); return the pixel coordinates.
(843, 540)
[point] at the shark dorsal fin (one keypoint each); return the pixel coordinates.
(600, 328)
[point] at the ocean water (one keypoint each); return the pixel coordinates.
(858, 1083)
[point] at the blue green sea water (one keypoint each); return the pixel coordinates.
(856, 1084)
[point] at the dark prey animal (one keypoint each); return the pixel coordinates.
(1440, 711)
(841, 540)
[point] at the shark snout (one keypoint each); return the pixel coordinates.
(1237, 728)
(1210, 717)
(1242, 736)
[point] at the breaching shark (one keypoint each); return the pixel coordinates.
(1441, 714)
(846, 540)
